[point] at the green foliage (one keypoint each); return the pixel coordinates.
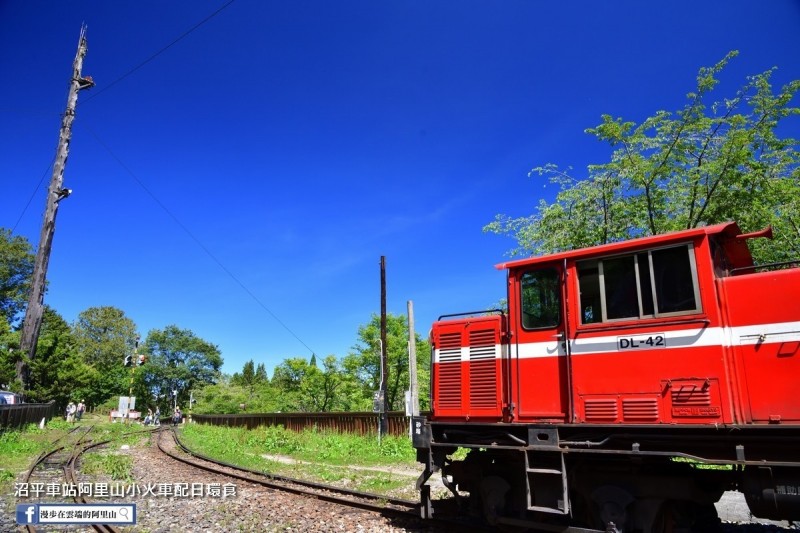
(273, 439)
(226, 398)
(103, 336)
(9, 348)
(16, 269)
(703, 164)
(58, 370)
(116, 466)
(310, 445)
(303, 386)
(18, 448)
(178, 360)
(364, 363)
(315, 455)
(250, 376)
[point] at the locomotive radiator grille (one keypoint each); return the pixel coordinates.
(450, 371)
(482, 369)
(468, 369)
(644, 409)
(601, 409)
(482, 384)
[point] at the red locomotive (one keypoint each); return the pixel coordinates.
(627, 387)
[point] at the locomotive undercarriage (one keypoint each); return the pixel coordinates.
(611, 479)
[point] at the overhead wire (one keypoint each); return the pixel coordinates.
(194, 238)
(33, 195)
(95, 94)
(154, 197)
(119, 79)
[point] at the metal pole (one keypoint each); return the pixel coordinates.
(56, 192)
(134, 362)
(412, 361)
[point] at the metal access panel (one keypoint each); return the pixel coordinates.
(468, 368)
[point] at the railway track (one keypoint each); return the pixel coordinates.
(401, 511)
(337, 508)
(57, 467)
(358, 499)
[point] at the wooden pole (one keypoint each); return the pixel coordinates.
(55, 193)
(384, 360)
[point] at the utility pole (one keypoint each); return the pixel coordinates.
(412, 361)
(384, 362)
(55, 193)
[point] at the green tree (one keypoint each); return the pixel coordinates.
(9, 348)
(247, 377)
(250, 388)
(226, 398)
(303, 386)
(103, 337)
(703, 164)
(59, 372)
(16, 269)
(364, 363)
(261, 374)
(178, 360)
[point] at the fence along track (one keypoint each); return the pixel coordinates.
(16, 416)
(364, 500)
(363, 423)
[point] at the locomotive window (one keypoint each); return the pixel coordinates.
(675, 290)
(619, 280)
(589, 281)
(540, 299)
(647, 284)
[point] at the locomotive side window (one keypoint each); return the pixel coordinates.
(647, 284)
(541, 301)
(676, 287)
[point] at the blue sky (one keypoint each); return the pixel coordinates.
(281, 148)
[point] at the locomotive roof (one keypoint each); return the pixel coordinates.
(729, 229)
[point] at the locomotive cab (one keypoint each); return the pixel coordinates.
(616, 372)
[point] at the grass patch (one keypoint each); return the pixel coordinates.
(116, 466)
(321, 455)
(18, 449)
(318, 446)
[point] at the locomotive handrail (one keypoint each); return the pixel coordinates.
(483, 312)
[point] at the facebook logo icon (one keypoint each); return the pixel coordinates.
(27, 514)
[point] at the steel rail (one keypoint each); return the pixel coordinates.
(379, 503)
(68, 468)
(42, 457)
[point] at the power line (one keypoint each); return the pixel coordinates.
(158, 53)
(195, 239)
(104, 89)
(33, 194)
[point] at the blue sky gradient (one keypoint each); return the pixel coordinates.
(260, 166)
